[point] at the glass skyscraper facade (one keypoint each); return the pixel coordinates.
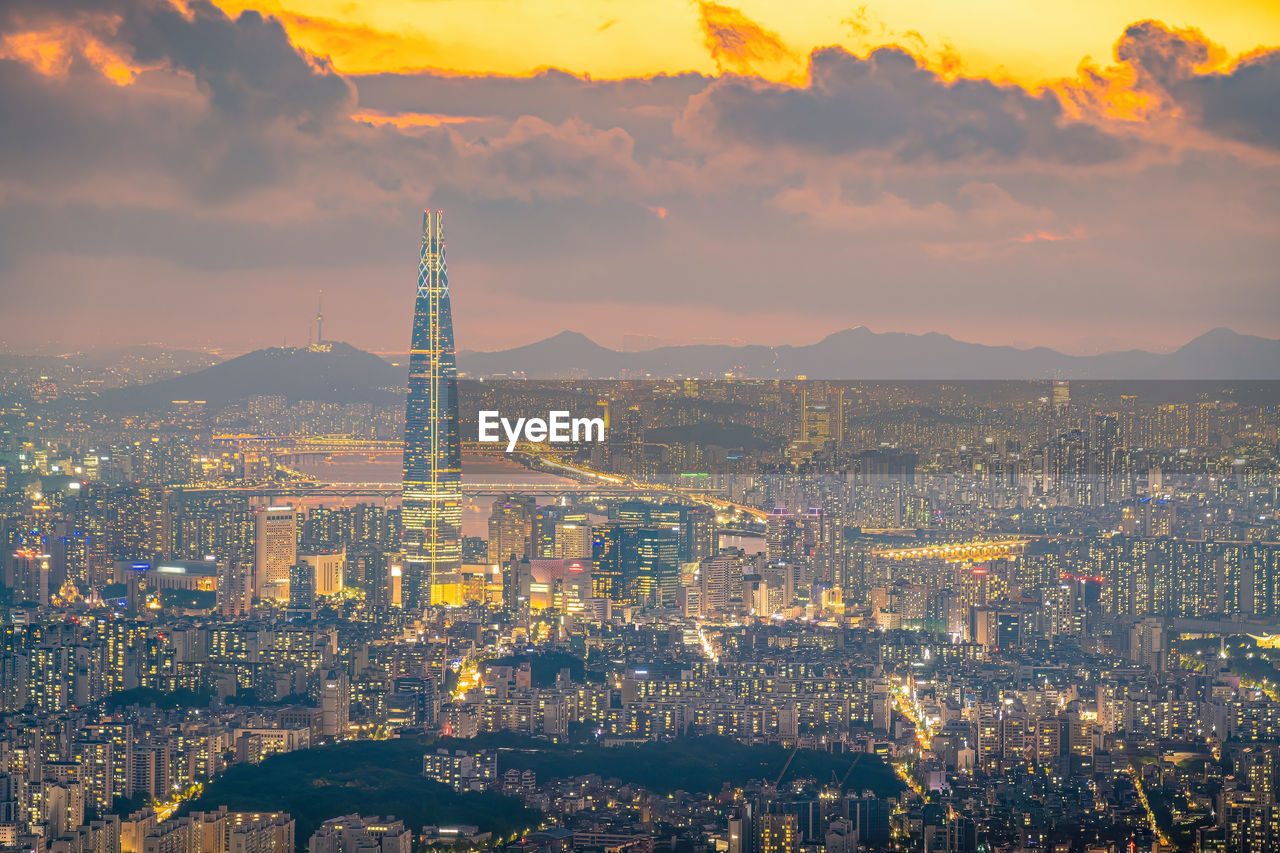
(432, 505)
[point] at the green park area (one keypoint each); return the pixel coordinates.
(381, 777)
(695, 765)
(385, 777)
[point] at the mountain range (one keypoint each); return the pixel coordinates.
(344, 374)
(859, 353)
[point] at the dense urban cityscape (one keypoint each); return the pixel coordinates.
(760, 616)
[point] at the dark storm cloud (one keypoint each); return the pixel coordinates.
(15, 14)
(573, 156)
(247, 64)
(1160, 55)
(646, 108)
(61, 129)
(217, 108)
(262, 115)
(352, 207)
(74, 128)
(1242, 103)
(550, 94)
(889, 102)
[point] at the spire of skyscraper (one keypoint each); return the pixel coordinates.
(432, 486)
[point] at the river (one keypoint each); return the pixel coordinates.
(477, 471)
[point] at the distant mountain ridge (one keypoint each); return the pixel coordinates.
(858, 354)
(344, 374)
(340, 374)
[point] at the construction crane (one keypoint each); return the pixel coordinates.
(852, 764)
(790, 758)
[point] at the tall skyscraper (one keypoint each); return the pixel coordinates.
(606, 562)
(779, 833)
(235, 588)
(275, 550)
(29, 576)
(432, 504)
(721, 579)
(335, 703)
(302, 586)
(573, 540)
(511, 528)
(651, 556)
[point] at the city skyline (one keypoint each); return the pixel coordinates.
(772, 179)
(866, 436)
(949, 615)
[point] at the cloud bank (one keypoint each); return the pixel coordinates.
(165, 156)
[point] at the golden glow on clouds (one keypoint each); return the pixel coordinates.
(50, 52)
(1005, 39)
(408, 120)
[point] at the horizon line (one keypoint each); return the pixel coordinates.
(227, 352)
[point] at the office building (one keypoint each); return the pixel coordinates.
(302, 587)
(511, 528)
(275, 551)
(328, 568)
(235, 588)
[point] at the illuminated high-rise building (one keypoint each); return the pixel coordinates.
(778, 833)
(302, 586)
(432, 502)
(235, 588)
(721, 580)
(606, 562)
(29, 576)
(335, 703)
(511, 528)
(1060, 398)
(782, 537)
(329, 569)
(573, 540)
(651, 558)
(545, 520)
(275, 551)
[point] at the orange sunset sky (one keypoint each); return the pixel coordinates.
(1033, 43)
(1083, 175)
